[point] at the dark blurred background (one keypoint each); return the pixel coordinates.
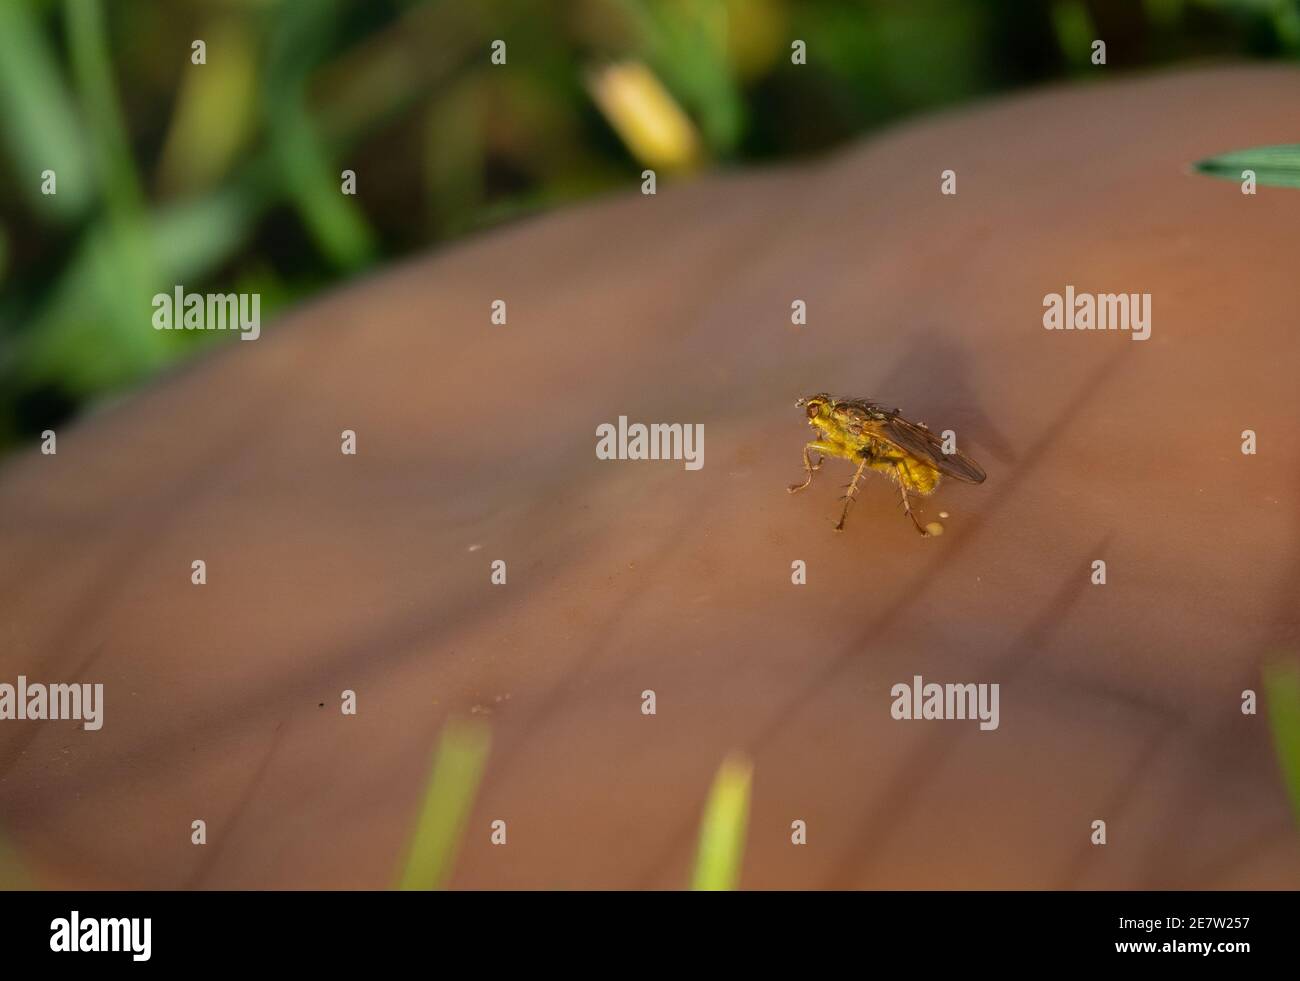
(225, 176)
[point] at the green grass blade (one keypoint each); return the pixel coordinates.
(722, 833)
(448, 799)
(37, 119)
(307, 173)
(215, 112)
(687, 47)
(123, 275)
(13, 876)
(335, 222)
(1075, 31)
(1282, 697)
(92, 67)
(1274, 166)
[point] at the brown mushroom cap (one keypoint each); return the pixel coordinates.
(329, 572)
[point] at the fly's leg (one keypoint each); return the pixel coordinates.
(853, 489)
(902, 487)
(809, 467)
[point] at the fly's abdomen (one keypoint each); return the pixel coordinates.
(917, 477)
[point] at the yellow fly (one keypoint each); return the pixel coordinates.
(880, 439)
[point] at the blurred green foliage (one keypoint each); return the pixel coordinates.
(225, 176)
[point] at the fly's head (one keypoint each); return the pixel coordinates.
(818, 407)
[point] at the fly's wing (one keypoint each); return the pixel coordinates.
(925, 445)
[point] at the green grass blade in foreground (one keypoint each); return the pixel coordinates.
(12, 874)
(1282, 695)
(1274, 166)
(722, 833)
(448, 799)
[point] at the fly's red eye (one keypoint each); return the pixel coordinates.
(812, 410)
